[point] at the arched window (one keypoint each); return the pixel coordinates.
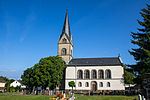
(64, 40)
(86, 84)
(63, 51)
(94, 74)
(80, 74)
(101, 74)
(108, 74)
(71, 52)
(101, 84)
(80, 84)
(87, 74)
(108, 84)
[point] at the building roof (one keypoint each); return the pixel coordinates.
(2, 80)
(111, 61)
(19, 81)
(66, 28)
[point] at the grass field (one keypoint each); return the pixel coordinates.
(24, 97)
(8, 97)
(108, 98)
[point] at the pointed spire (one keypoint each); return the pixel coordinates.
(66, 27)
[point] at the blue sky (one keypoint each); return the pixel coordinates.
(30, 29)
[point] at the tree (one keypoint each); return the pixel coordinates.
(71, 84)
(7, 85)
(17, 88)
(47, 73)
(51, 70)
(142, 40)
(128, 76)
(5, 78)
(27, 79)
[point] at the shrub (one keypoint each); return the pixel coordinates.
(39, 93)
(85, 93)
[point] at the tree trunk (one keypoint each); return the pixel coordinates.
(49, 92)
(72, 90)
(129, 89)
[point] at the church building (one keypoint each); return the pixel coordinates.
(89, 74)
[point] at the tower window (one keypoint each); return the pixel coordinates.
(63, 51)
(71, 52)
(64, 40)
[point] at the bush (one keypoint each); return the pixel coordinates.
(32, 94)
(39, 93)
(97, 92)
(46, 94)
(121, 92)
(85, 93)
(17, 89)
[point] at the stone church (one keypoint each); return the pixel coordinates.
(89, 74)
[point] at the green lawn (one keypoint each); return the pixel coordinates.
(108, 98)
(24, 97)
(8, 97)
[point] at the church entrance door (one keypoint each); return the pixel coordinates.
(93, 86)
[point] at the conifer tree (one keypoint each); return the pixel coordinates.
(142, 40)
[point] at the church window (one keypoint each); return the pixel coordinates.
(86, 84)
(108, 74)
(71, 52)
(80, 74)
(80, 84)
(87, 74)
(101, 84)
(63, 51)
(108, 84)
(64, 40)
(94, 74)
(101, 74)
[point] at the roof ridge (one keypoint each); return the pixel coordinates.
(96, 58)
(95, 61)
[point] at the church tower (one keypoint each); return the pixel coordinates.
(65, 43)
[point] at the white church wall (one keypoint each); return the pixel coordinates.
(70, 73)
(114, 85)
(116, 80)
(116, 71)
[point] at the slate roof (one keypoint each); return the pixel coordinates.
(2, 80)
(111, 61)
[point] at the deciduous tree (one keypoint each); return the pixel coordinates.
(71, 84)
(47, 73)
(128, 76)
(27, 79)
